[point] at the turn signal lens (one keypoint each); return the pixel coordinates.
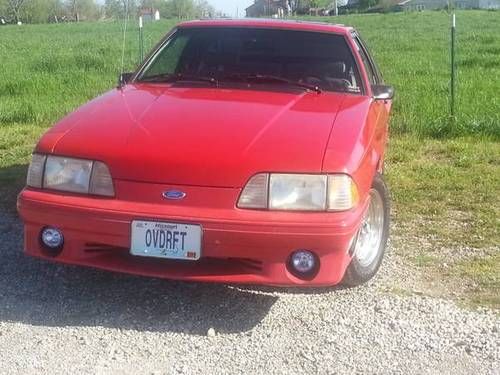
(35, 171)
(101, 182)
(255, 193)
(342, 192)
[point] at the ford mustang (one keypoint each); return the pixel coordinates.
(239, 151)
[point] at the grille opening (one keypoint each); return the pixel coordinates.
(225, 265)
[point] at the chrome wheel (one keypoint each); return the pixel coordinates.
(371, 231)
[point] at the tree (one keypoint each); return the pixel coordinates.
(3, 7)
(41, 11)
(116, 8)
(190, 8)
(303, 6)
(82, 9)
(15, 7)
(365, 4)
(180, 8)
(204, 9)
(55, 11)
(294, 5)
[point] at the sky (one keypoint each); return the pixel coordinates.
(229, 6)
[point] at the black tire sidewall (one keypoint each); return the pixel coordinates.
(356, 273)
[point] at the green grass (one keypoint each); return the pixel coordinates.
(447, 209)
(485, 276)
(47, 70)
(413, 51)
(444, 175)
(447, 189)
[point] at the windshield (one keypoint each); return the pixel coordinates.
(282, 58)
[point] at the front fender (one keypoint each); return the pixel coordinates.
(353, 147)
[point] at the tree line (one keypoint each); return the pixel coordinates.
(43, 11)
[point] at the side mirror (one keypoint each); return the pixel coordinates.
(382, 92)
(124, 79)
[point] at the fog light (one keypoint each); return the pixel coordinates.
(52, 238)
(303, 262)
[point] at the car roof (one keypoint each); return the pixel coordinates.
(270, 24)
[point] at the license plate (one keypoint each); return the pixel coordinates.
(166, 240)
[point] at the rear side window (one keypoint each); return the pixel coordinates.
(367, 62)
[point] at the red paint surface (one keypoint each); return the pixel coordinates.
(208, 142)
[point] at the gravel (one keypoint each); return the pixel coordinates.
(56, 319)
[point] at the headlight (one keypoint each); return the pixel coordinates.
(69, 174)
(299, 192)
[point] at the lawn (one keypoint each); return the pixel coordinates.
(444, 175)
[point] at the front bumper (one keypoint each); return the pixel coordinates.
(238, 246)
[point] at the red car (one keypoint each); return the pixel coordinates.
(240, 151)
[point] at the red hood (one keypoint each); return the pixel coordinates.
(198, 136)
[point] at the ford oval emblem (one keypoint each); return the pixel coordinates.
(174, 194)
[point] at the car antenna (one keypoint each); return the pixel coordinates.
(125, 23)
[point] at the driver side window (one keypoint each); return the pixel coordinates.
(168, 59)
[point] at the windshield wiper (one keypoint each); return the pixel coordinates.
(271, 78)
(172, 77)
(162, 77)
(195, 78)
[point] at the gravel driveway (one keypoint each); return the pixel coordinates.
(56, 319)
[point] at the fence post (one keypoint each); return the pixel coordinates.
(453, 69)
(141, 41)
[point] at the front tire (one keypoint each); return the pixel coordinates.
(371, 240)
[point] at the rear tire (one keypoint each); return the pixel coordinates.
(371, 239)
